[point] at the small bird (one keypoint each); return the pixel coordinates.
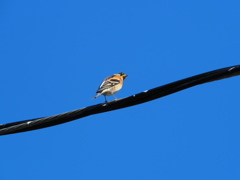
(111, 85)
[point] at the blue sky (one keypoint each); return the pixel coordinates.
(54, 54)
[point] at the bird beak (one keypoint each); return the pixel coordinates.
(124, 76)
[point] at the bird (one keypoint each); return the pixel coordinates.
(111, 85)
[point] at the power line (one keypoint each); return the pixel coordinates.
(148, 95)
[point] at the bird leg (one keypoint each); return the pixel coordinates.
(105, 99)
(115, 97)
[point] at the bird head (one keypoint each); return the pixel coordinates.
(123, 75)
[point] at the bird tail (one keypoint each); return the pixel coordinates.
(98, 94)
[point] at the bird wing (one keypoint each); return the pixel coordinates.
(108, 83)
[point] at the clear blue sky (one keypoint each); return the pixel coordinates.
(53, 56)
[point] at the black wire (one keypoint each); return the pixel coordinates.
(38, 123)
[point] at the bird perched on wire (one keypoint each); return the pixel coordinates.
(111, 85)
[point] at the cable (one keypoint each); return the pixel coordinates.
(148, 95)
